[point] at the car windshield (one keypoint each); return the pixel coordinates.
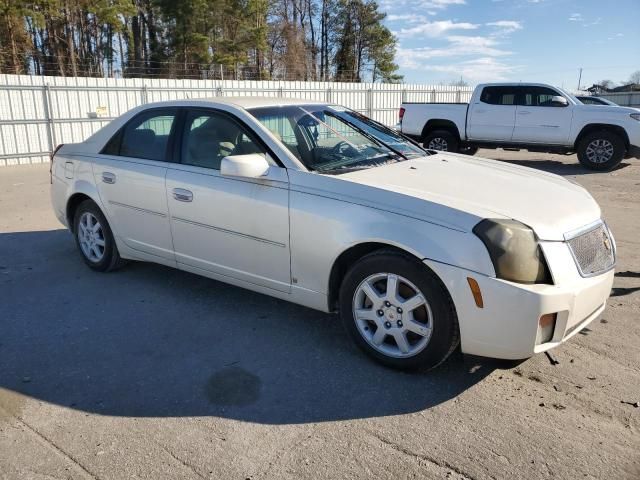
(596, 101)
(332, 139)
(569, 95)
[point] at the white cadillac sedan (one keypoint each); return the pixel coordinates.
(313, 203)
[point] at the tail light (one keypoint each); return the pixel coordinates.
(401, 113)
(51, 162)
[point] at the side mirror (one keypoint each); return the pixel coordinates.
(559, 101)
(251, 165)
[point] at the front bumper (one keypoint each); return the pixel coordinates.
(507, 324)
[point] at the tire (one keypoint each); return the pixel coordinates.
(441, 140)
(468, 150)
(435, 319)
(97, 248)
(602, 150)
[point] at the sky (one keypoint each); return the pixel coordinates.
(543, 41)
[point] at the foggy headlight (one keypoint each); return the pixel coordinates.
(514, 251)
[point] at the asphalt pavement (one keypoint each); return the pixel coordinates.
(154, 373)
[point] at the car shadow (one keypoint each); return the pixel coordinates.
(560, 168)
(151, 341)
(628, 274)
(622, 291)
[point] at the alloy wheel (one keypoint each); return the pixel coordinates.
(91, 237)
(599, 151)
(438, 143)
(392, 315)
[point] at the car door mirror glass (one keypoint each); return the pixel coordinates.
(252, 165)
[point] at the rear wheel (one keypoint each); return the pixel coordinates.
(398, 312)
(95, 239)
(442, 140)
(602, 150)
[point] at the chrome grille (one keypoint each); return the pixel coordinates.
(593, 250)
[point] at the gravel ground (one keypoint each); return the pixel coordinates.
(154, 373)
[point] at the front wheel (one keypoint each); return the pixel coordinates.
(602, 150)
(398, 311)
(441, 140)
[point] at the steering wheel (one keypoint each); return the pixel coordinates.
(341, 148)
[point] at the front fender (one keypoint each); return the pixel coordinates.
(323, 228)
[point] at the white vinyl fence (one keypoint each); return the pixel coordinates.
(625, 99)
(38, 113)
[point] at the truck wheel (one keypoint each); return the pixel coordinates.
(602, 150)
(441, 140)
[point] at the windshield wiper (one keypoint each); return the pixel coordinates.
(344, 166)
(375, 161)
(339, 170)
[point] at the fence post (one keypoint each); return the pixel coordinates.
(433, 96)
(48, 115)
(458, 96)
(144, 94)
(404, 95)
(370, 103)
(328, 95)
(280, 92)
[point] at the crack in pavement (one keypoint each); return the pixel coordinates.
(51, 444)
(184, 463)
(441, 464)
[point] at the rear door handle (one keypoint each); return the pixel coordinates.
(108, 177)
(524, 112)
(182, 195)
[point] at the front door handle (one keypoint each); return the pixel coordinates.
(108, 177)
(523, 112)
(182, 195)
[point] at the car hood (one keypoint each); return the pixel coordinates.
(614, 109)
(481, 188)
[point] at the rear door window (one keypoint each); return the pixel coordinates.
(145, 136)
(499, 95)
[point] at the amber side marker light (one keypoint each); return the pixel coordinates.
(546, 328)
(475, 291)
(547, 319)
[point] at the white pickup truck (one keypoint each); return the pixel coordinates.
(528, 116)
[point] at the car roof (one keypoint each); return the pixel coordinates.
(242, 102)
(516, 84)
